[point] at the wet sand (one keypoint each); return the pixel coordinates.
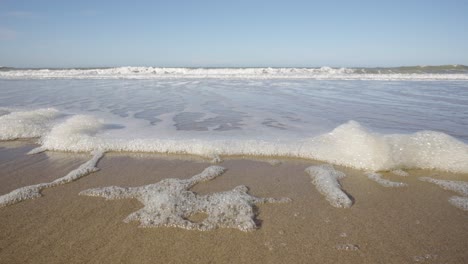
(414, 224)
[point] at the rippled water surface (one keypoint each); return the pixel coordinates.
(252, 108)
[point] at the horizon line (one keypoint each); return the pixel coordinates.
(239, 67)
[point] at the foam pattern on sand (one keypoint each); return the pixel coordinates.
(26, 124)
(455, 186)
(460, 202)
(377, 177)
(325, 178)
(170, 203)
(34, 191)
(459, 187)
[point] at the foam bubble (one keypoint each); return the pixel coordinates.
(216, 159)
(170, 203)
(377, 177)
(460, 202)
(347, 247)
(429, 257)
(349, 144)
(34, 191)
(352, 145)
(325, 178)
(459, 187)
(401, 173)
(26, 124)
(75, 134)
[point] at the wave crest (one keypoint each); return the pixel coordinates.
(448, 72)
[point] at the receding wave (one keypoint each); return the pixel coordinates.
(444, 72)
(349, 144)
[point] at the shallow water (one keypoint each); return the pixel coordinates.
(305, 118)
(252, 108)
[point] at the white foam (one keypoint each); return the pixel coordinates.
(454, 186)
(34, 191)
(347, 247)
(75, 134)
(401, 173)
(171, 203)
(323, 73)
(352, 145)
(21, 194)
(426, 257)
(377, 177)
(216, 159)
(349, 144)
(26, 124)
(325, 178)
(459, 187)
(460, 202)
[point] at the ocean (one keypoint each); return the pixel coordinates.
(368, 118)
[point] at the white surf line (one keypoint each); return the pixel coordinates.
(377, 177)
(325, 178)
(34, 191)
(459, 187)
(170, 203)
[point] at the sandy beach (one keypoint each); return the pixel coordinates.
(315, 132)
(413, 224)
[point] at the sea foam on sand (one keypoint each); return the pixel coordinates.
(171, 203)
(325, 178)
(34, 191)
(459, 187)
(377, 177)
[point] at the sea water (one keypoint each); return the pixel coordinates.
(401, 118)
(377, 119)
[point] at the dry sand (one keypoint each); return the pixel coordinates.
(414, 224)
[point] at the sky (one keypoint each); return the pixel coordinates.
(240, 33)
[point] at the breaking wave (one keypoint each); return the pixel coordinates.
(444, 72)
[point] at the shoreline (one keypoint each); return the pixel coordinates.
(390, 225)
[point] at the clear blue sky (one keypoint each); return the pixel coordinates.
(232, 33)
